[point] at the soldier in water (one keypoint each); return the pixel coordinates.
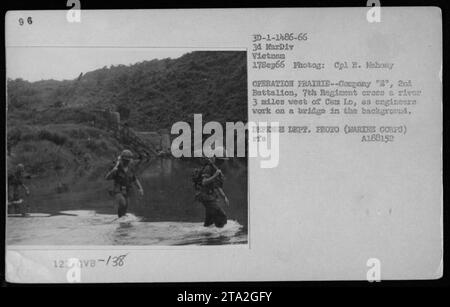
(208, 182)
(124, 178)
(15, 184)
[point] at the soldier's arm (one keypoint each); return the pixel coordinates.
(111, 173)
(209, 180)
(138, 184)
(25, 188)
(223, 195)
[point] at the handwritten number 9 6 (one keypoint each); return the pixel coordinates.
(22, 21)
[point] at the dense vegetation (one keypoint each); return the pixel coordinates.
(150, 95)
(50, 122)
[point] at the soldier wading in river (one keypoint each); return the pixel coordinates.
(15, 184)
(208, 182)
(123, 178)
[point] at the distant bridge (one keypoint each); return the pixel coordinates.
(146, 144)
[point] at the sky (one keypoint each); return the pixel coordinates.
(43, 63)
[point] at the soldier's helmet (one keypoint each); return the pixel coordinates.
(126, 155)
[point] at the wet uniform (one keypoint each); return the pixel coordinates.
(207, 195)
(122, 188)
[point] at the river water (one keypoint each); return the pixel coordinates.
(166, 215)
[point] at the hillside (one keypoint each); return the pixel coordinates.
(50, 123)
(150, 95)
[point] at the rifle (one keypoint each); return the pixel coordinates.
(219, 185)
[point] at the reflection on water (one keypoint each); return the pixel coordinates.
(91, 228)
(166, 215)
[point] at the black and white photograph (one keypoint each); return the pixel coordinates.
(89, 147)
(210, 145)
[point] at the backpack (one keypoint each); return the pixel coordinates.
(197, 177)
